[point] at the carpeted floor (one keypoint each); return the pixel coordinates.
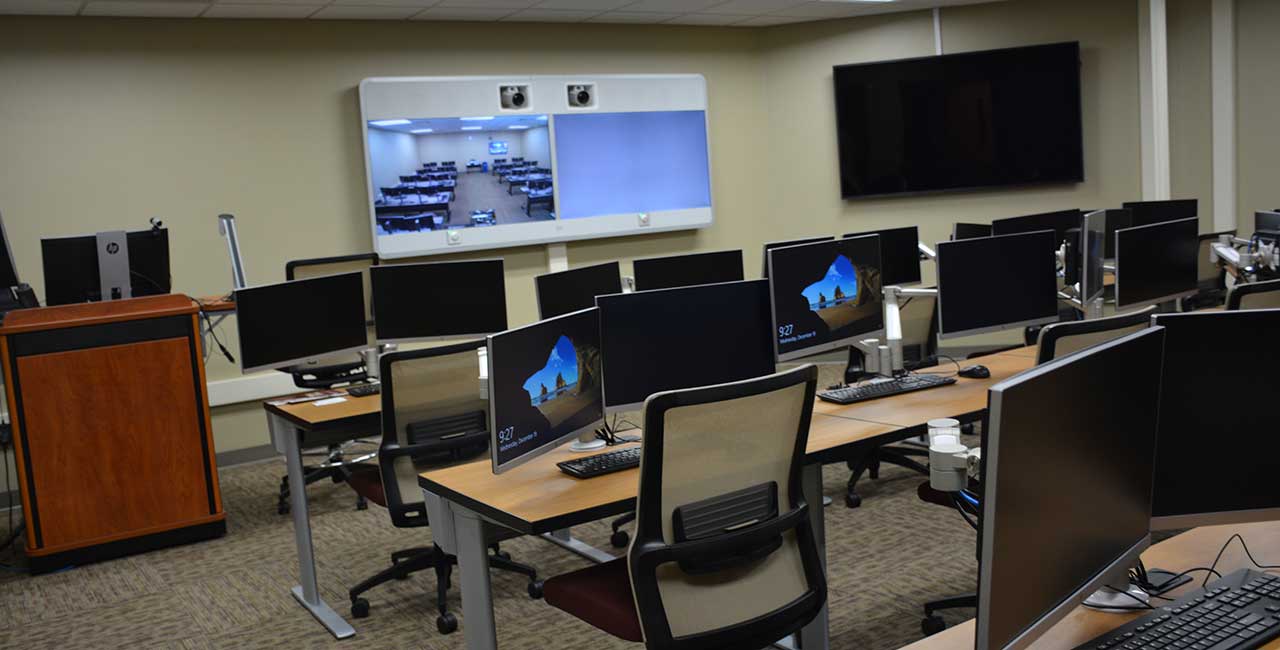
(885, 558)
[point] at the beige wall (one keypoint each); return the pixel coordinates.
(1257, 99)
(461, 147)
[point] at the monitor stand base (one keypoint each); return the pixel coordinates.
(588, 441)
(1112, 600)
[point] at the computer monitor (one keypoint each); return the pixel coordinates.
(1157, 263)
(899, 254)
(825, 296)
(71, 266)
(576, 289)
(1146, 213)
(1093, 256)
(1067, 465)
(1219, 378)
(415, 302)
(1116, 219)
(1059, 222)
(298, 322)
(687, 270)
(653, 341)
(969, 231)
(764, 260)
(1266, 222)
(997, 283)
(8, 269)
(544, 386)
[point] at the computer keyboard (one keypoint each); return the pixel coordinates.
(606, 463)
(364, 390)
(1238, 612)
(883, 388)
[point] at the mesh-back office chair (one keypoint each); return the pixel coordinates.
(1255, 295)
(725, 554)
(433, 414)
(1060, 339)
(335, 466)
(932, 623)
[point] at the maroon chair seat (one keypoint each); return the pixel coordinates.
(366, 480)
(600, 595)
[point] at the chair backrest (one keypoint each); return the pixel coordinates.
(1060, 339)
(318, 266)
(432, 407)
(1209, 274)
(721, 515)
(1255, 295)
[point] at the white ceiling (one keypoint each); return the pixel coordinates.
(478, 124)
(742, 13)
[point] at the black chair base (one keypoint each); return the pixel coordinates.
(869, 463)
(620, 538)
(932, 623)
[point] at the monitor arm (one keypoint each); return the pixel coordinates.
(1246, 264)
(893, 323)
(926, 252)
(227, 229)
(951, 463)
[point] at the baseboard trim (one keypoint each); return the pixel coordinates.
(244, 456)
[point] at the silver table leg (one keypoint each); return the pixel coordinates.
(477, 594)
(564, 539)
(814, 635)
(285, 439)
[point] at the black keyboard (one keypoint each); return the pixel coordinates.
(883, 388)
(1238, 612)
(364, 390)
(606, 463)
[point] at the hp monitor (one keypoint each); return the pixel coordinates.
(544, 386)
(997, 283)
(438, 299)
(1146, 213)
(1157, 263)
(687, 270)
(970, 231)
(899, 254)
(71, 272)
(653, 341)
(1066, 484)
(298, 322)
(825, 296)
(1059, 222)
(1208, 390)
(574, 290)
(783, 244)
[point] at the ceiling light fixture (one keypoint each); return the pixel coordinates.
(517, 126)
(389, 122)
(472, 128)
(476, 119)
(422, 130)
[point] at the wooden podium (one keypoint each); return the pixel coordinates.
(111, 430)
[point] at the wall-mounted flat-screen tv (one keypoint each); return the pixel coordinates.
(986, 119)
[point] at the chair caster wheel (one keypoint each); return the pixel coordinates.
(359, 608)
(503, 555)
(852, 500)
(362, 505)
(620, 539)
(447, 623)
(932, 625)
(282, 509)
(535, 589)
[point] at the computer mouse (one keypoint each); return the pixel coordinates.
(975, 372)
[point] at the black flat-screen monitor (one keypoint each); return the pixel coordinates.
(1060, 222)
(576, 289)
(977, 119)
(1116, 219)
(1157, 263)
(298, 322)
(1088, 421)
(1146, 213)
(71, 266)
(970, 231)
(8, 269)
(899, 254)
(997, 283)
(1206, 391)
(653, 341)
(687, 270)
(1268, 222)
(764, 261)
(438, 299)
(544, 386)
(826, 295)
(1093, 257)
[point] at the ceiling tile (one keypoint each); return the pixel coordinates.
(491, 4)
(752, 7)
(549, 16)
(348, 12)
(419, 4)
(632, 17)
(272, 2)
(840, 9)
(595, 6)
(706, 19)
(229, 10)
(768, 21)
(146, 8)
(40, 7)
(671, 6)
(463, 13)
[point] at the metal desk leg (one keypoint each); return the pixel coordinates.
(285, 439)
(814, 635)
(477, 594)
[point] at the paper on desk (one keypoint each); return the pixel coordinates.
(332, 400)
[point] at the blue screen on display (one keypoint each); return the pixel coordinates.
(617, 163)
(497, 147)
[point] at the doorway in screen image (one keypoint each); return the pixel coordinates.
(845, 294)
(560, 389)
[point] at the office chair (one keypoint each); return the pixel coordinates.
(1060, 339)
(721, 519)
(932, 624)
(432, 415)
(1255, 295)
(336, 465)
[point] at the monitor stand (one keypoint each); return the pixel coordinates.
(113, 265)
(589, 441)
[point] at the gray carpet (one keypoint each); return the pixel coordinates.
(478, 191)
(886, 559)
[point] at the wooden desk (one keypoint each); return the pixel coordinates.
(1190, 549)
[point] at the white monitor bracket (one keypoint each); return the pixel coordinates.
(227, 229)
(893, 326)
(1245, 265)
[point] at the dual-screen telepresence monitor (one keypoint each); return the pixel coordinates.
(899, 254)
(1061, 222)
(1075, 437)
(970, 231)
(1219, 376)
(576, 289)
(72, 266)
(544, 386)
(438, 299)
(997, 283)
(298, 322)
(764, 273)
(1146, 213)
(670, 339)
(825, 296)
(687, 270)
(1157, 263)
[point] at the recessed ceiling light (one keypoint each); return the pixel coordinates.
(422, 131)
(389, 122)
(517, 126)
(472, 128)
(476, 119)
(542, 118)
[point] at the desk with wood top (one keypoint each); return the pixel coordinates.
(1191, 549)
